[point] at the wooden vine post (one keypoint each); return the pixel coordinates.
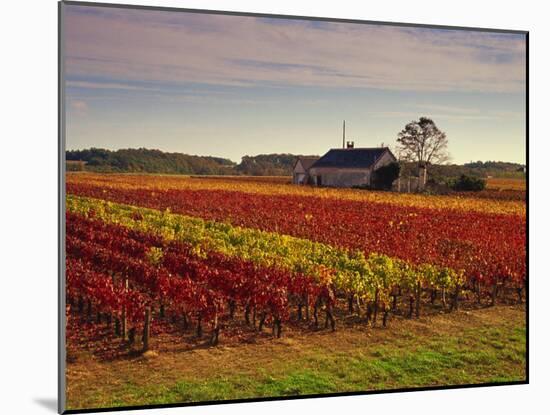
(146, 329)
(456, 297)
(89, 310)
(247, 314)
(358, 303)
(232, 306)
(117, 326)
(519, 292)
(124, 327)
(132, 335)
(350, 304)
(376, 300)
(417, 299)
(315, 315)
(185, 321)
(199, 326)
(299, 316)
(330, 318)
(214, 339)
(478, 291)
(117, 319)
(262, 321)
(494, 293)
(385, 318)
(394, 302)
(277, 327)
(433, 295)
(411, 305)
(369, 312)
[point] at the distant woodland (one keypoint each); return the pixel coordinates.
(142, 160)
(155, 161)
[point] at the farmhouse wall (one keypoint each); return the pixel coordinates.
(335, 177)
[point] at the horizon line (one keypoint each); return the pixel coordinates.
(269, 154)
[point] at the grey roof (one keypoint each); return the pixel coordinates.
(307, 162)
(351, 157)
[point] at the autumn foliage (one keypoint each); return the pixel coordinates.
(205, 255)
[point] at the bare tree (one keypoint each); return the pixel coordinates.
(422, 142)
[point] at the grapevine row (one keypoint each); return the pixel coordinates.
(173, 275)
(351, 272)
(310, 194)
(153, 250)
(485, 246)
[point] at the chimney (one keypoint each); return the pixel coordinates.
(349, 144)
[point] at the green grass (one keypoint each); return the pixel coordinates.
(476, 356)
(484, 349)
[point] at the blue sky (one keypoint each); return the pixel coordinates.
(229, 86)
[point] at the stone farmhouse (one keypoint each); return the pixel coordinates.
(345, 167)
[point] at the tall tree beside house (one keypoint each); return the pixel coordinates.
(423, 143)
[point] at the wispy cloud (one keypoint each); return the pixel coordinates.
(137, 45)
(448, 113)
(107, 85)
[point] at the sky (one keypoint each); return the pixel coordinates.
(230, 86)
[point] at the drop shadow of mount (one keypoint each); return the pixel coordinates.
(48, 403)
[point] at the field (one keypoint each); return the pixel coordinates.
(183, 289)
(506, 184)
(504, 189)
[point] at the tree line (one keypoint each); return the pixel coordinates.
(156, 161)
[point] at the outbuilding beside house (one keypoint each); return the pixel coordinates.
(300, 173)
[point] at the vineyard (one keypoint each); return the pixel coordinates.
(213, 256)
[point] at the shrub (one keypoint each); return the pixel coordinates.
(468, 183)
